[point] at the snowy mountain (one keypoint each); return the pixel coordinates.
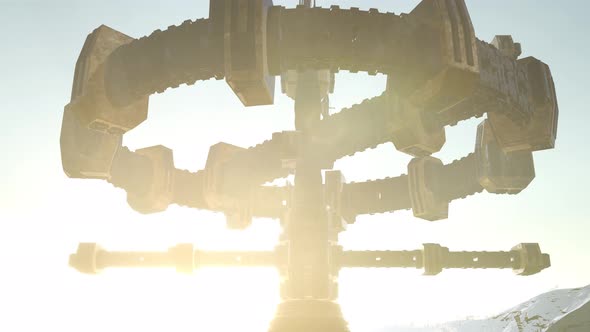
(564, 310)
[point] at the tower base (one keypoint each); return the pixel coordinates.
(309, 316)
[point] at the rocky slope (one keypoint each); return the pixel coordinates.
(564, 310)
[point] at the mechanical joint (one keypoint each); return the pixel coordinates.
(530, 260)
(245, 47)
(89, 97)
(498, 171)
(159, 191)
(427, 203)
(413, 131)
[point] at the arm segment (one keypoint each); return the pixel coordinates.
(457, 78)
(524, 259)
(181, 54)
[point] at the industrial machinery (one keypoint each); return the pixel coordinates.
(438, 73)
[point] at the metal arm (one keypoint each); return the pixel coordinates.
(524, 259)
(114, 72)
(183, 54)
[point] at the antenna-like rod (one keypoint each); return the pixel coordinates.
(306, 3)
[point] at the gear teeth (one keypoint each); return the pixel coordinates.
(392, 194)
(462, 33)
(468, 34)
(352, 39)
(152, 64)
(456, 31)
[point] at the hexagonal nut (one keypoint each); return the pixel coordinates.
(506, 45)
(498, 171)
(290, 77)
(160, 194)
(85, 258)
(214, 188)
(86, 153)
(530, 259)
(434, 256)
(89, 101)
(426, 202)
(412, 130)
(246, 67)
(540, 132)
(183, 256)
(441, 61)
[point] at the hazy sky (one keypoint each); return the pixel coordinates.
(43, 214)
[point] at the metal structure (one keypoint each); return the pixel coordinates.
(439, 74)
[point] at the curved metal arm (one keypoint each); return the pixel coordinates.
(114, 73)
(181, 54)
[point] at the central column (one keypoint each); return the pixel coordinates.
(309, 289)
(307, 224)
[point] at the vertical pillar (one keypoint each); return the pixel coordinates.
(307, 225)
(309, 290)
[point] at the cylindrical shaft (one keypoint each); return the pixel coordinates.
(482, 260)
(368, 259)
(107, 259)
(378, 196)
(236, 258)
(307, 229)
(417, 259)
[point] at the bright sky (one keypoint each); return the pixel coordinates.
(43, 214)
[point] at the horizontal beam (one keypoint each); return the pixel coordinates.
(91, 258)
(524, 259)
